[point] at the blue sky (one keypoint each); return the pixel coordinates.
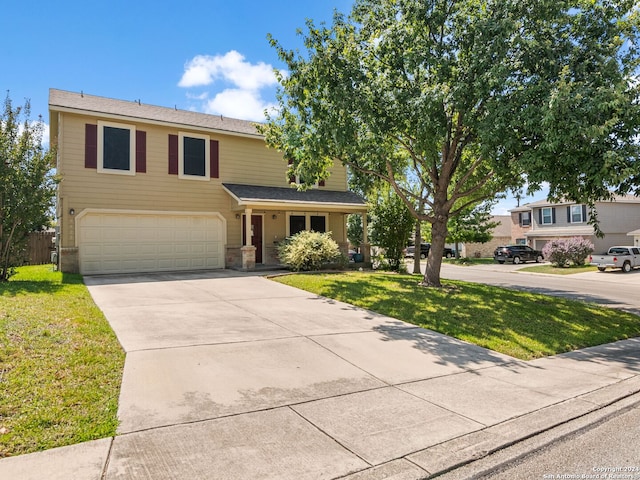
(209, 56)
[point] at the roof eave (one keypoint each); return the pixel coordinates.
(113, 116)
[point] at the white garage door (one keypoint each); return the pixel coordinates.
(121, 242)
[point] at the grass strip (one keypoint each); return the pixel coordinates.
(60, 363)
(554, 270)
(520, 324)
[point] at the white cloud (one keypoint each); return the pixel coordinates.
(238, 103)
(204, 70)
(242, 83)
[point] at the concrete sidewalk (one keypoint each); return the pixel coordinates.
(233, 376)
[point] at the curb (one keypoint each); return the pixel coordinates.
(461, 456)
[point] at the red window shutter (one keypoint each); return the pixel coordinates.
(141, 151)
(173, 154)
(214, 159)
(90, 146)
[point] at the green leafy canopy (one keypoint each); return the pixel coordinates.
(468, 99)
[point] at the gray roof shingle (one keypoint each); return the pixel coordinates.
(257, 193)
(60, 99)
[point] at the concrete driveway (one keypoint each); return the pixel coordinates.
(214, 358)
(234, 376)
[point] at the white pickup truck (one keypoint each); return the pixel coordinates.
(625, 258)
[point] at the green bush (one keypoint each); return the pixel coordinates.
(308, 250)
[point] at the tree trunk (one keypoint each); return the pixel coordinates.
(434, 262)
(4, 255)
(417, 252)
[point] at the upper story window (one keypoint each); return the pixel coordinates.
(525, 219)
(298, 180)
(547, 216)
(193, 156)
(577, 213)
(116, 148)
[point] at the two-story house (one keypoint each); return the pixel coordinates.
(146, 189)
(538, 222)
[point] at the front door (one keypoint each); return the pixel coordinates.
(256, 235)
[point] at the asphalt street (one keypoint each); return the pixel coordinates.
(611, 288)
(608, 450)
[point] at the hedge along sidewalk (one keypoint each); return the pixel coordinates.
(520, 324)
(60, 363)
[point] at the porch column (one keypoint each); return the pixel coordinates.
(247, 226)
(248, 250)
(366, 248)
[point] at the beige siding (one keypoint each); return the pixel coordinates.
(242, 160)
(250, 161)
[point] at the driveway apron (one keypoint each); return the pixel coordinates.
(231, 375)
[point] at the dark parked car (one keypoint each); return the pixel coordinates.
(517, 254)
(424, 251)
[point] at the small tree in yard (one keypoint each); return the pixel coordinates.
(562, 252)
(27, 183)
(473, 224)
(355, 230)
(391, 226)
(308, 250)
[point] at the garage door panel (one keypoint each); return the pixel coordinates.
(133, 242)
(164, 235)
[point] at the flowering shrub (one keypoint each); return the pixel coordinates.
(308, 250)
(561, 252)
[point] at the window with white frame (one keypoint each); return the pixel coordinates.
(576, 214)
(116, 148)
(305, 221)
(547, 216)
(193, 156)
(300, 181)
(525, 219)
(296, 224)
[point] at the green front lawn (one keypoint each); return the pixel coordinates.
(60, 363)
(523, 325)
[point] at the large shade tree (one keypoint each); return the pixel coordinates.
(470, 97)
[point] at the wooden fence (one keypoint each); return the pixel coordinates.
(40, 247)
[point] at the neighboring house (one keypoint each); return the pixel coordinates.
(635, 237)
(501, 235)
(146, 189)
(536, 223)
